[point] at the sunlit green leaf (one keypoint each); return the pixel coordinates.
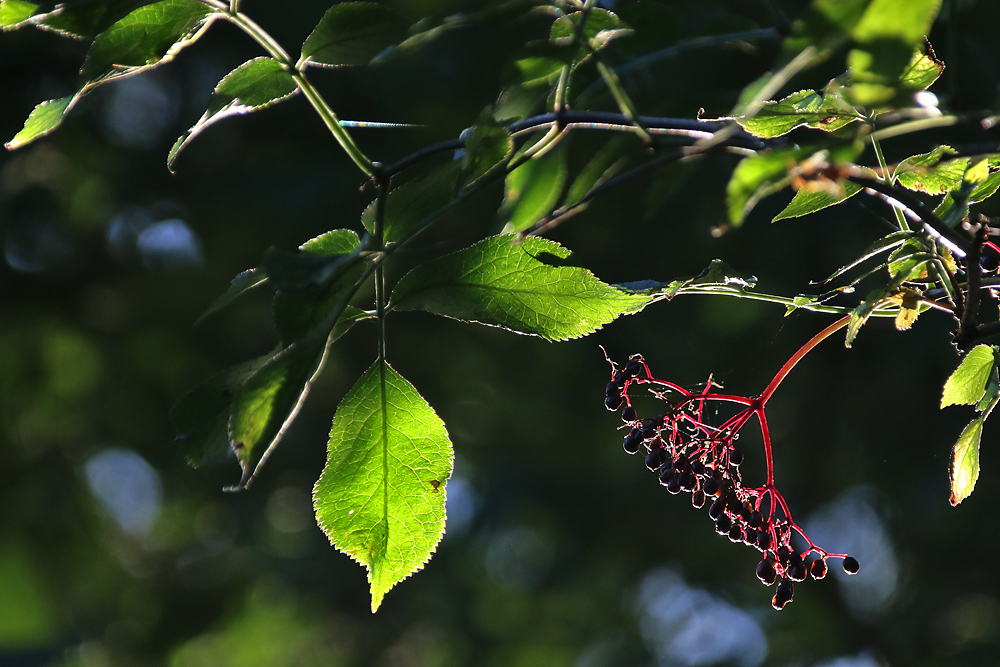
(13, 13)
(922, 71)
(381, 496)
(825, 25)
(984, 190)
(415, 201)
(538, 63)
(827, 111)
(352, 33)
(885, 39)
(524, 286)
(808, 201)
(967, 385)
(148, 36)
(253, 85)
(932, 172)
(882, 245)
(963, 467)
(532, 190)
(43, 119)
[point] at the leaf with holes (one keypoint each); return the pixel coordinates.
(381, 496)
(523, 286)
(252, 86)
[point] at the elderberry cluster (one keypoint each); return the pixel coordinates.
(689, 455)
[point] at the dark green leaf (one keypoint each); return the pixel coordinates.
(416, 201)
(487, 144)
(521, 286)
(242, 283)
(718, 276)
(605, 164)
(253, 85)
(318, 261)
(381, 496)
(963, 469)
(149, 36)
(84, 19)
(201, 417)
(601, 27)
(756, 177)
(352, 33)
(883, 244)
(533, 189)
(825, 25)
(268, 401)
(538, 63)
(967, 385)
(808, 201)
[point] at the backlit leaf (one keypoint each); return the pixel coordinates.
(803, 108)
(352, 33)
(963, 467)
(14, 13)
(253, 85)
(532, 190)
(43, 119)
(808, 201)
(524, 286)
(381, 496)
(967, 385)
(601, 27)
(756, 177)
(933, 172)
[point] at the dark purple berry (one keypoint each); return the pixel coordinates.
(796, 571)
(614, 402)
(674, 485)
(632, 441)
(628, 414)
(736, 534)
(649, 428)
(632, 368)
(711, 486)
(818, 568)
(765, 572)
(656, 458)
(723, 524)
(735, 456)
(783, 594)
(851, 565)
(755, 519)
(698, 499)
(764, 540)
(750, 537)
(619, 379)
(612, 390)
(716, 509)
(667, 473)
(688, 481)
(697, 467)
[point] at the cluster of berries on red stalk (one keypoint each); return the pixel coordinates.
(692, 456)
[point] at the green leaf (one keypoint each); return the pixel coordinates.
(601, 27)
(885, 40)
(415, 201)
(333, 242)
(242, 283)
(883, 244)
(963, 468)
(932, 172)
(201, 417)
(352, 33)
(532, 190)
(252, 86)
(381, 496)
(808, 201)
(825, 25)
(149, 36)
(967, 385)
(806, 107)
(267, 402)
(605, 163)
(922, 71)
(538, 63)
(756, 177)
(487, 144)
(15, 13)
(875, 299)
(43, 119)
(986, 189)
(523, 287)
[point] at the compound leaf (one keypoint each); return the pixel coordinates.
(967, 384)
(963, 468)
(520, 286)
(381, 496)
(254, 85)
(352, 33)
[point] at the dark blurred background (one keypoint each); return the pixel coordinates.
(560, 549)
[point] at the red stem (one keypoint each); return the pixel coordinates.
(803, 351)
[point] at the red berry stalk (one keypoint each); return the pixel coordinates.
(691, 455)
